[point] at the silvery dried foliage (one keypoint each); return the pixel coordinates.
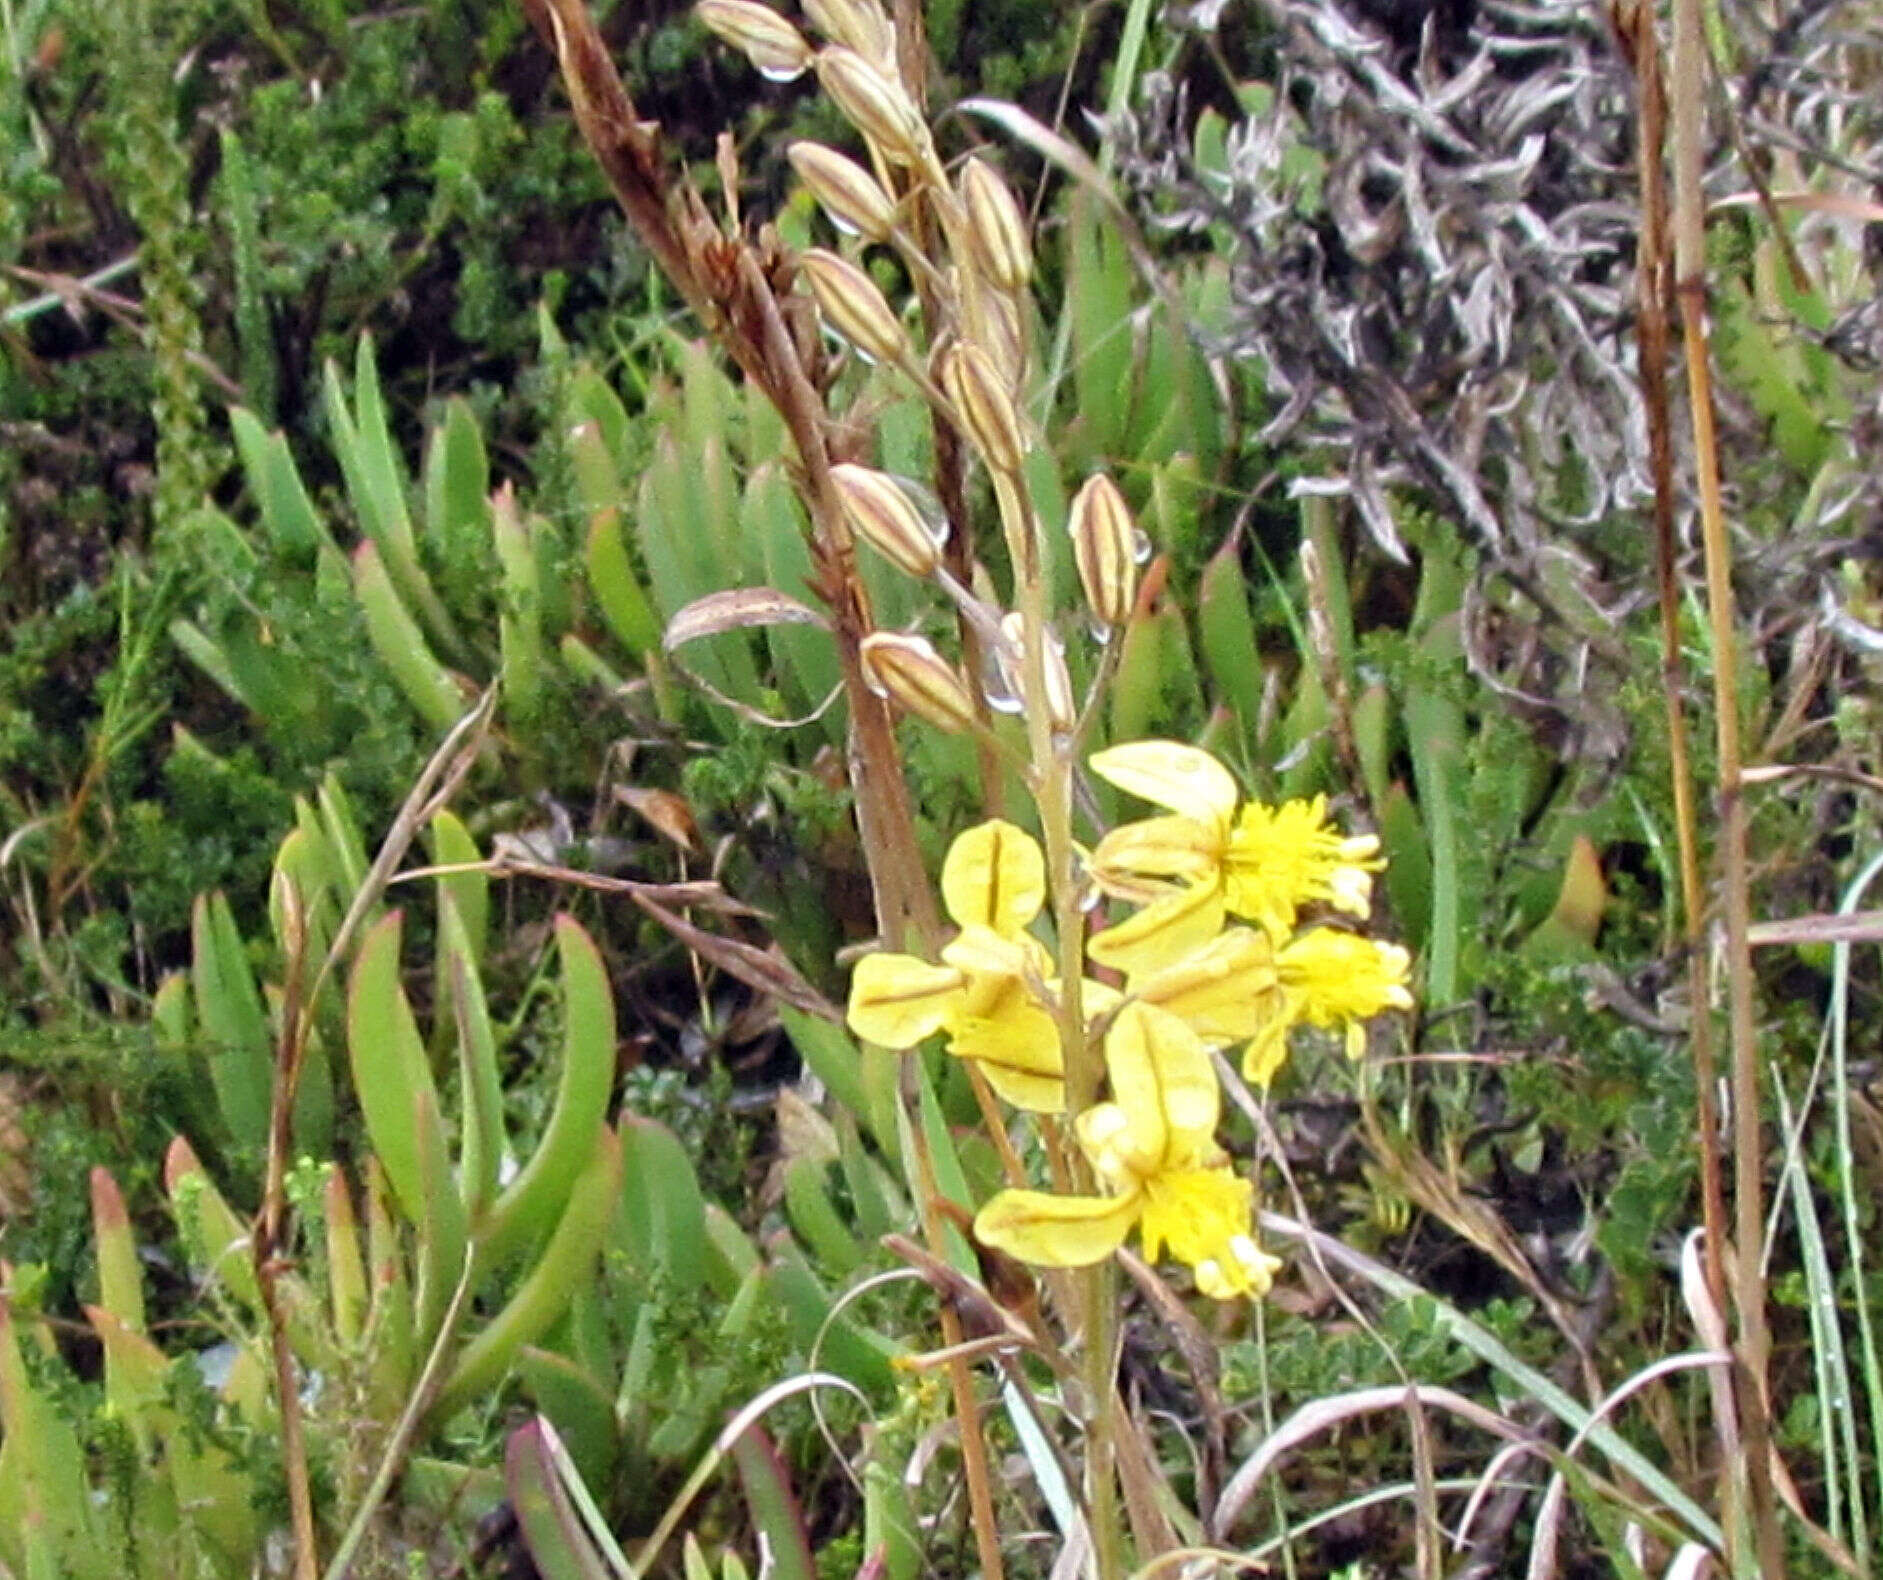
(1452, 312)
(1447, 304)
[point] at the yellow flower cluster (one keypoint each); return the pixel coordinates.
(1193, 980)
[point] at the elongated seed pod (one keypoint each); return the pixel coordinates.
(771, 43)
(848, 193)
(979, 393)
(880, 513)
(1011, 661)
(997, 238)
(1104, 547)
(853, 307)
(874, 104)
(858, 24)
(908, 670)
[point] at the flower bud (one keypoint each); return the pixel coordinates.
(1010, 659)
(973, 382)
(771, 43)
(858, 24)
(872, 103)
(908, 670)
(849, 194)
(997, 238)
(880, 513)
(853, 307)
(1105, 548)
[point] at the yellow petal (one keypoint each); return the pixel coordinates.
(1018, 1051)
(980, 951)
(1056, 1231)
(1266, 1054)
(897, 1000)
(994, 877)
(1161, 847)
(1161, 933)
(1035, 1094)
(1186, 1081)
(1184, 778)
(1224, 992)
(1162, 1081)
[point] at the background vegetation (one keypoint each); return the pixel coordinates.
(334, 389)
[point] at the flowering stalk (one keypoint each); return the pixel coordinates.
(1218, 945)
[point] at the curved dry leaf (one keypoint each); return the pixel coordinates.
(741, 609)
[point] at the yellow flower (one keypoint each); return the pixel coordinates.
(1329, 979)
(1153, 1149)
(1216, 855)
(986, 993)
(1225, 990)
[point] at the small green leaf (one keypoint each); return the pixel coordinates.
(457, 485)
(662, 1227)
(1226, 636)
(287, 512)
(120, 1280)
(558, 1546)
(815, 1218)
(395, 636)
(479, 1085)
(234, 1024)
(773, 1506)
(520, 614)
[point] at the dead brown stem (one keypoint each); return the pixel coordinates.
(1751, 1351)
(1636, 25)
(741, 291)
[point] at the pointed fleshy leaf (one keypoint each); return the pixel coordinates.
(120, 1279)
(391, 1073)
(529, 1207)
(558, 1546)
(544, 1293)
(662, 1224)
(774, 1508)
(234, 1024)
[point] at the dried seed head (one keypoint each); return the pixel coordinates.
(1105, 547)
(880, 513)
(849, 194)
(874, 104)
(910, 671)
(771, 43)
(853, 307)
(1010, 659)
(974, 383)
(857, 24)
(997, 238)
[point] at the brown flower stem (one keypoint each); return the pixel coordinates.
(736, 296)
(1753, 1347)
(1652, 326)
(905, 903)
(974, 1466)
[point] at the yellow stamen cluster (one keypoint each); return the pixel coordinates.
(1195, 978)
